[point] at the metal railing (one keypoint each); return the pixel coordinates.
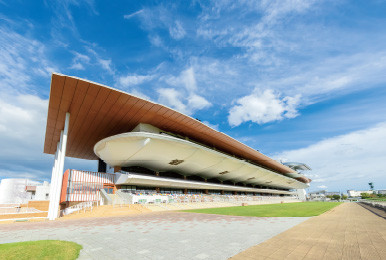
(17, 210)
(128, 198)
(83, 206)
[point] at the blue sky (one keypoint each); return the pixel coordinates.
(298, 80)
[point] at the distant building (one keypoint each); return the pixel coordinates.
(317, 195)
(40, 191)
(15, 191)
(332, 193)
(357, 193)
(381, 192)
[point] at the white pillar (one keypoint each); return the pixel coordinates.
(57, 172)
(53, 181)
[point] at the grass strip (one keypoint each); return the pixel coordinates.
(298, 209)
(42, 249)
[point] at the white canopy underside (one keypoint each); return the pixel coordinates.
(150, 181)
(160, 152)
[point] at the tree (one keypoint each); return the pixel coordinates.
(367, 195)
(344, 197)
(335, 197)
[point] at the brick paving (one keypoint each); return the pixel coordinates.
(164, 235)
(348, 231)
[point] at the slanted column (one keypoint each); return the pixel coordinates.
(57, 172)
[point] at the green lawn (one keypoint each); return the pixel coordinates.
(299, 209)
(43, 249)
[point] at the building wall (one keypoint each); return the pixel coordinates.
(42, 192)
(13, 190)
(357, 193)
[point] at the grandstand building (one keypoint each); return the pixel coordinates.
(144, 148)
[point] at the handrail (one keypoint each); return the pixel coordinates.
(78, 207)
(106, 198)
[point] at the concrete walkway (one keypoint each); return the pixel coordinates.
(348, 231)
(165, 235)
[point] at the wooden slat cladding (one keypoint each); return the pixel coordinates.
(98, 112)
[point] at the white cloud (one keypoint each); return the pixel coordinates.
(21, 59)
(160, 17)
(348, 161)
(22, 127)
(185, 99)
(22, 131)
(322, 187)
(196, 102)
(156, 40)
(139, 94)
(334, 75)
(78, 60)
(278, 45)
(24, 67)
(186, 105)
(263, 107)
(129, 16)
(21, 116)
(186, 79)
(176, 31)
(134, 79)
(172, 98)
(77, 66)
(106, 64)
(220, 22)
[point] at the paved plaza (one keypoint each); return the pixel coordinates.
(348, 231)
(167, 235)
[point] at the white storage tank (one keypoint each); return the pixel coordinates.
(13, 190)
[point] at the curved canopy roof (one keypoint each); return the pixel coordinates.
(98, 111)
(161, 152)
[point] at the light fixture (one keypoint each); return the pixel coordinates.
(224, 172)
(250, 178)
(176, 162)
